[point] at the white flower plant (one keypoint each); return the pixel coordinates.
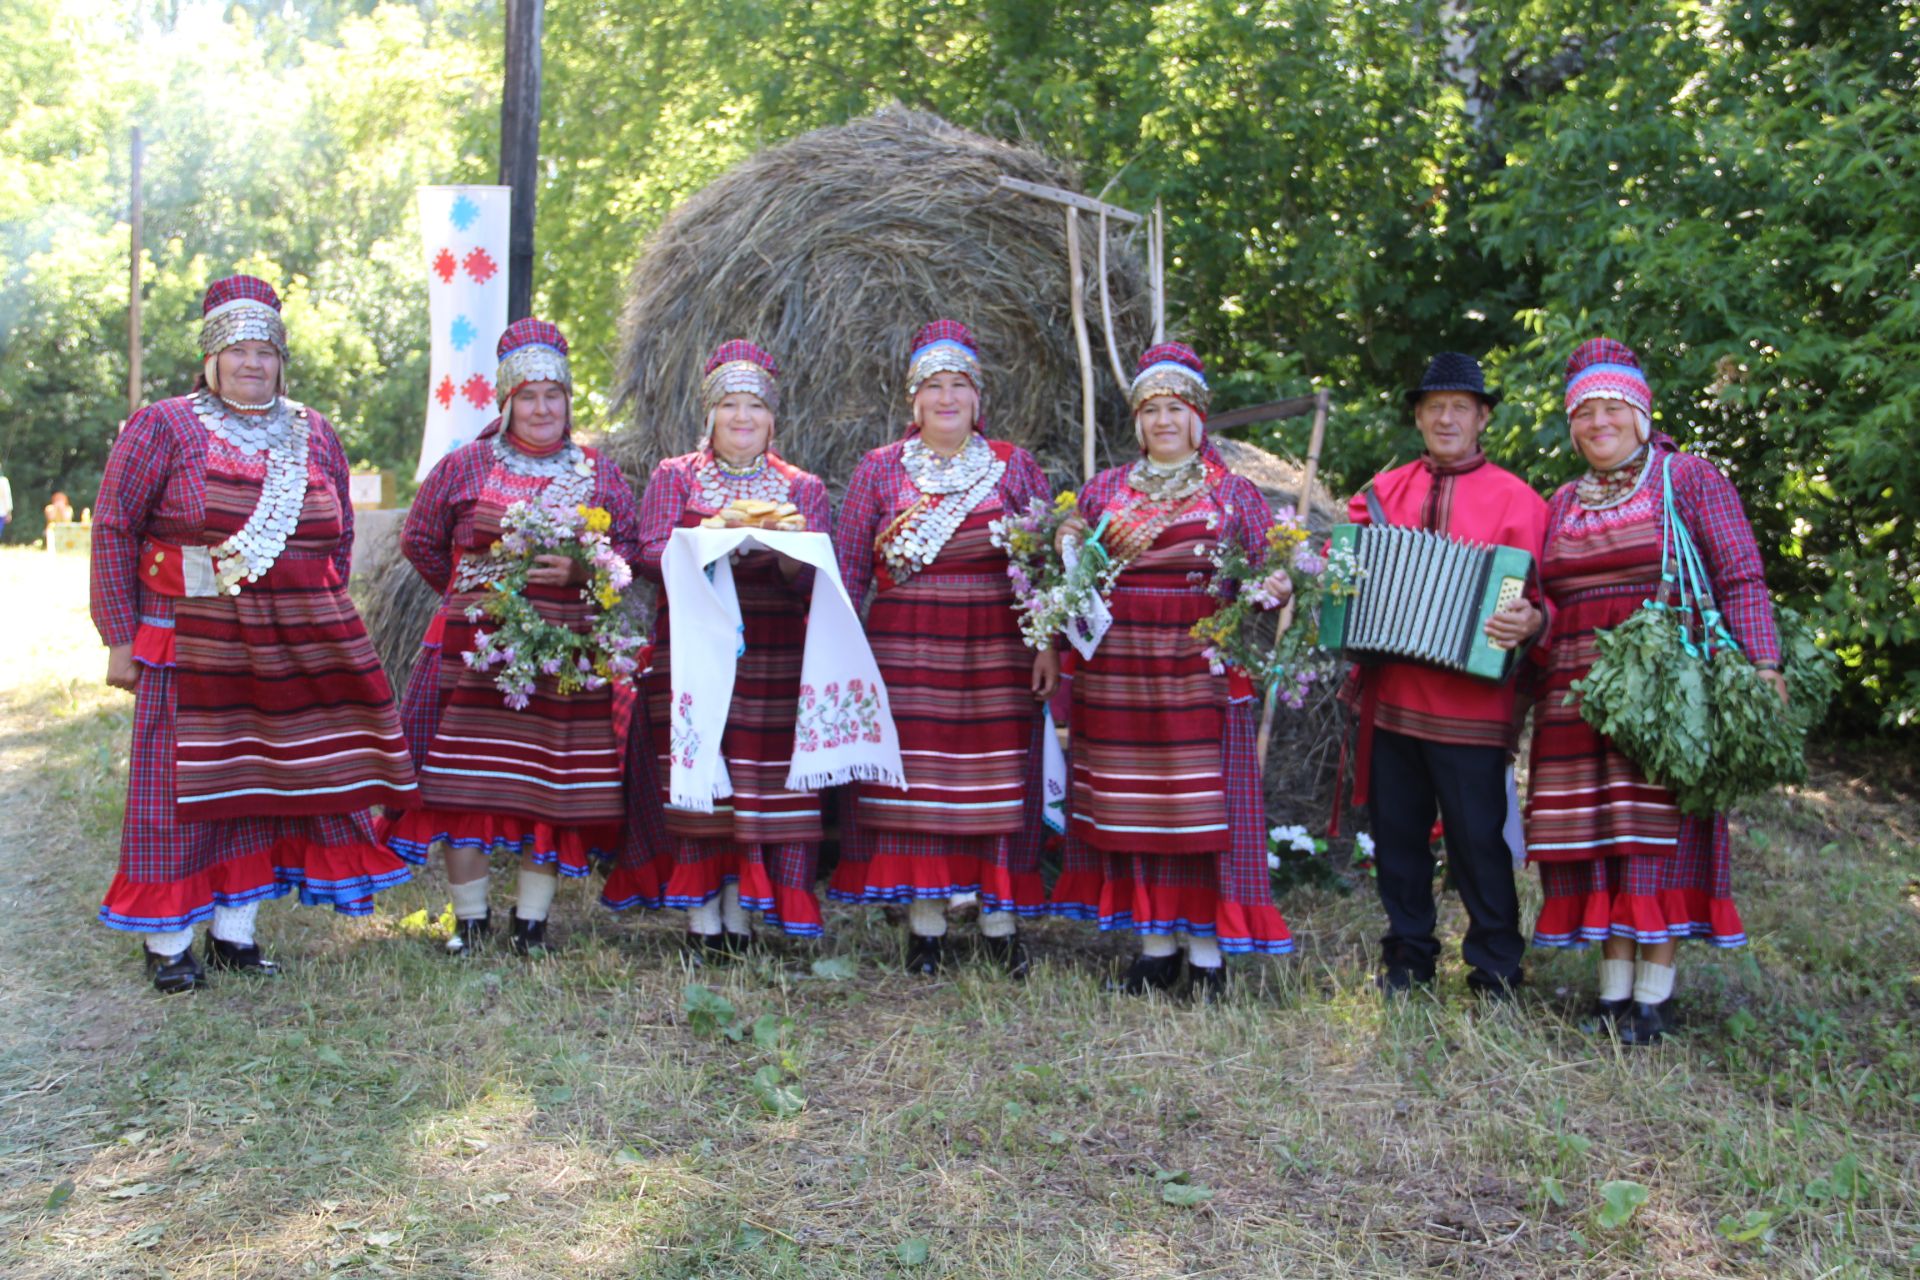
(1296, 858)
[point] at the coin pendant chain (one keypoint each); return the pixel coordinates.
(281, 434)
(954, 487)
(721, 485)
(569, 470)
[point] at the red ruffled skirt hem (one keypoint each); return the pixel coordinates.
(696, 883)
(634, 885)
(893, 877)
(573, 850)
(1133, 906)
(344, 877)
(1666, 916)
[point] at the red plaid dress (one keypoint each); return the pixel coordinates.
(763, 838)
(544, 781)
(959, 678)
(1617, 858)
(1167, 828)
(306, 641)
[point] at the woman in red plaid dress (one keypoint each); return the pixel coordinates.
(759, 849)
(1619, 863)
(1167, 837)
(263, 727)
(537, 775)
(966, 692)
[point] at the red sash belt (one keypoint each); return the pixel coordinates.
(163, 571)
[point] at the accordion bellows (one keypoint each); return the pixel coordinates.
(1424, 597)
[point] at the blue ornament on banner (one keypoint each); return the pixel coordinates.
(463, 212)
(462, 333)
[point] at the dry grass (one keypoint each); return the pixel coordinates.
(382, 1111)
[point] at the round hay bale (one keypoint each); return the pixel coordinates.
(393, 601)
(1279, 479)
(831, 250)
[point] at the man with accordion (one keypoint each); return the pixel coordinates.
(1440, 622)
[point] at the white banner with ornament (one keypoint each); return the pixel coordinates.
(464, 232)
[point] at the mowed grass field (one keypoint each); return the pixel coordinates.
(384, 1111)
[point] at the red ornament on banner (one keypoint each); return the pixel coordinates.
(444, 393)
(481, 266)
(478, 391)
(444, 266)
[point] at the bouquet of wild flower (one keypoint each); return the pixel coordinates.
(1293, 661)
(525, 646)
(1051, 594)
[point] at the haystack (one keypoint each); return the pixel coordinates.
(394, 602)
(830, 251)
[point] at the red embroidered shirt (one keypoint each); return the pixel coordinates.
(1483, 503)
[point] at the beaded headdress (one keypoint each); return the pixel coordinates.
(530, 351)
(740, 366)
(945, 346)
(1170, 369)
(1605, 369)
(241, 309)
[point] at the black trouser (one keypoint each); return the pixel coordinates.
(1469, 785)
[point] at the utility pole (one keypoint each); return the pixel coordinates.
(133, 286)
(520, 146)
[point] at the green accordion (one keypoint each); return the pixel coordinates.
(1423, 597)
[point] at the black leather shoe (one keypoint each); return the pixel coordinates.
(1204, 985)
(1150, 973)
(1397, 981)
(528, 937)
(1009, 954)
(733, 944)
(173, 974)
(1643, 1024)
(703, 948)
(469, 934)
(222, 954)
(925, 955)
(1488, 987)
(1606, 1014)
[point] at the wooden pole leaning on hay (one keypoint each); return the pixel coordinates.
(1106, 312)
(1077, 287)
(1076, 276)
(1160, 273)
(1303, 506)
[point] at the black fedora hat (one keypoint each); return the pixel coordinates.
(1451, 371)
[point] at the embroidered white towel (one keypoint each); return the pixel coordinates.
(844, 730)
(1053, 777)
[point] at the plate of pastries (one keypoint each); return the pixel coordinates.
(757, 513)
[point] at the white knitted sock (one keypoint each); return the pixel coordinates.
(999, 924)
(1155, 945)
(733, 916)
(235, 924)
(1204, 953)
(1652, 983)
(470, 899)
(170, 943)
(535, 898)
(1616, 979)
(705, 918)
(927, 917)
